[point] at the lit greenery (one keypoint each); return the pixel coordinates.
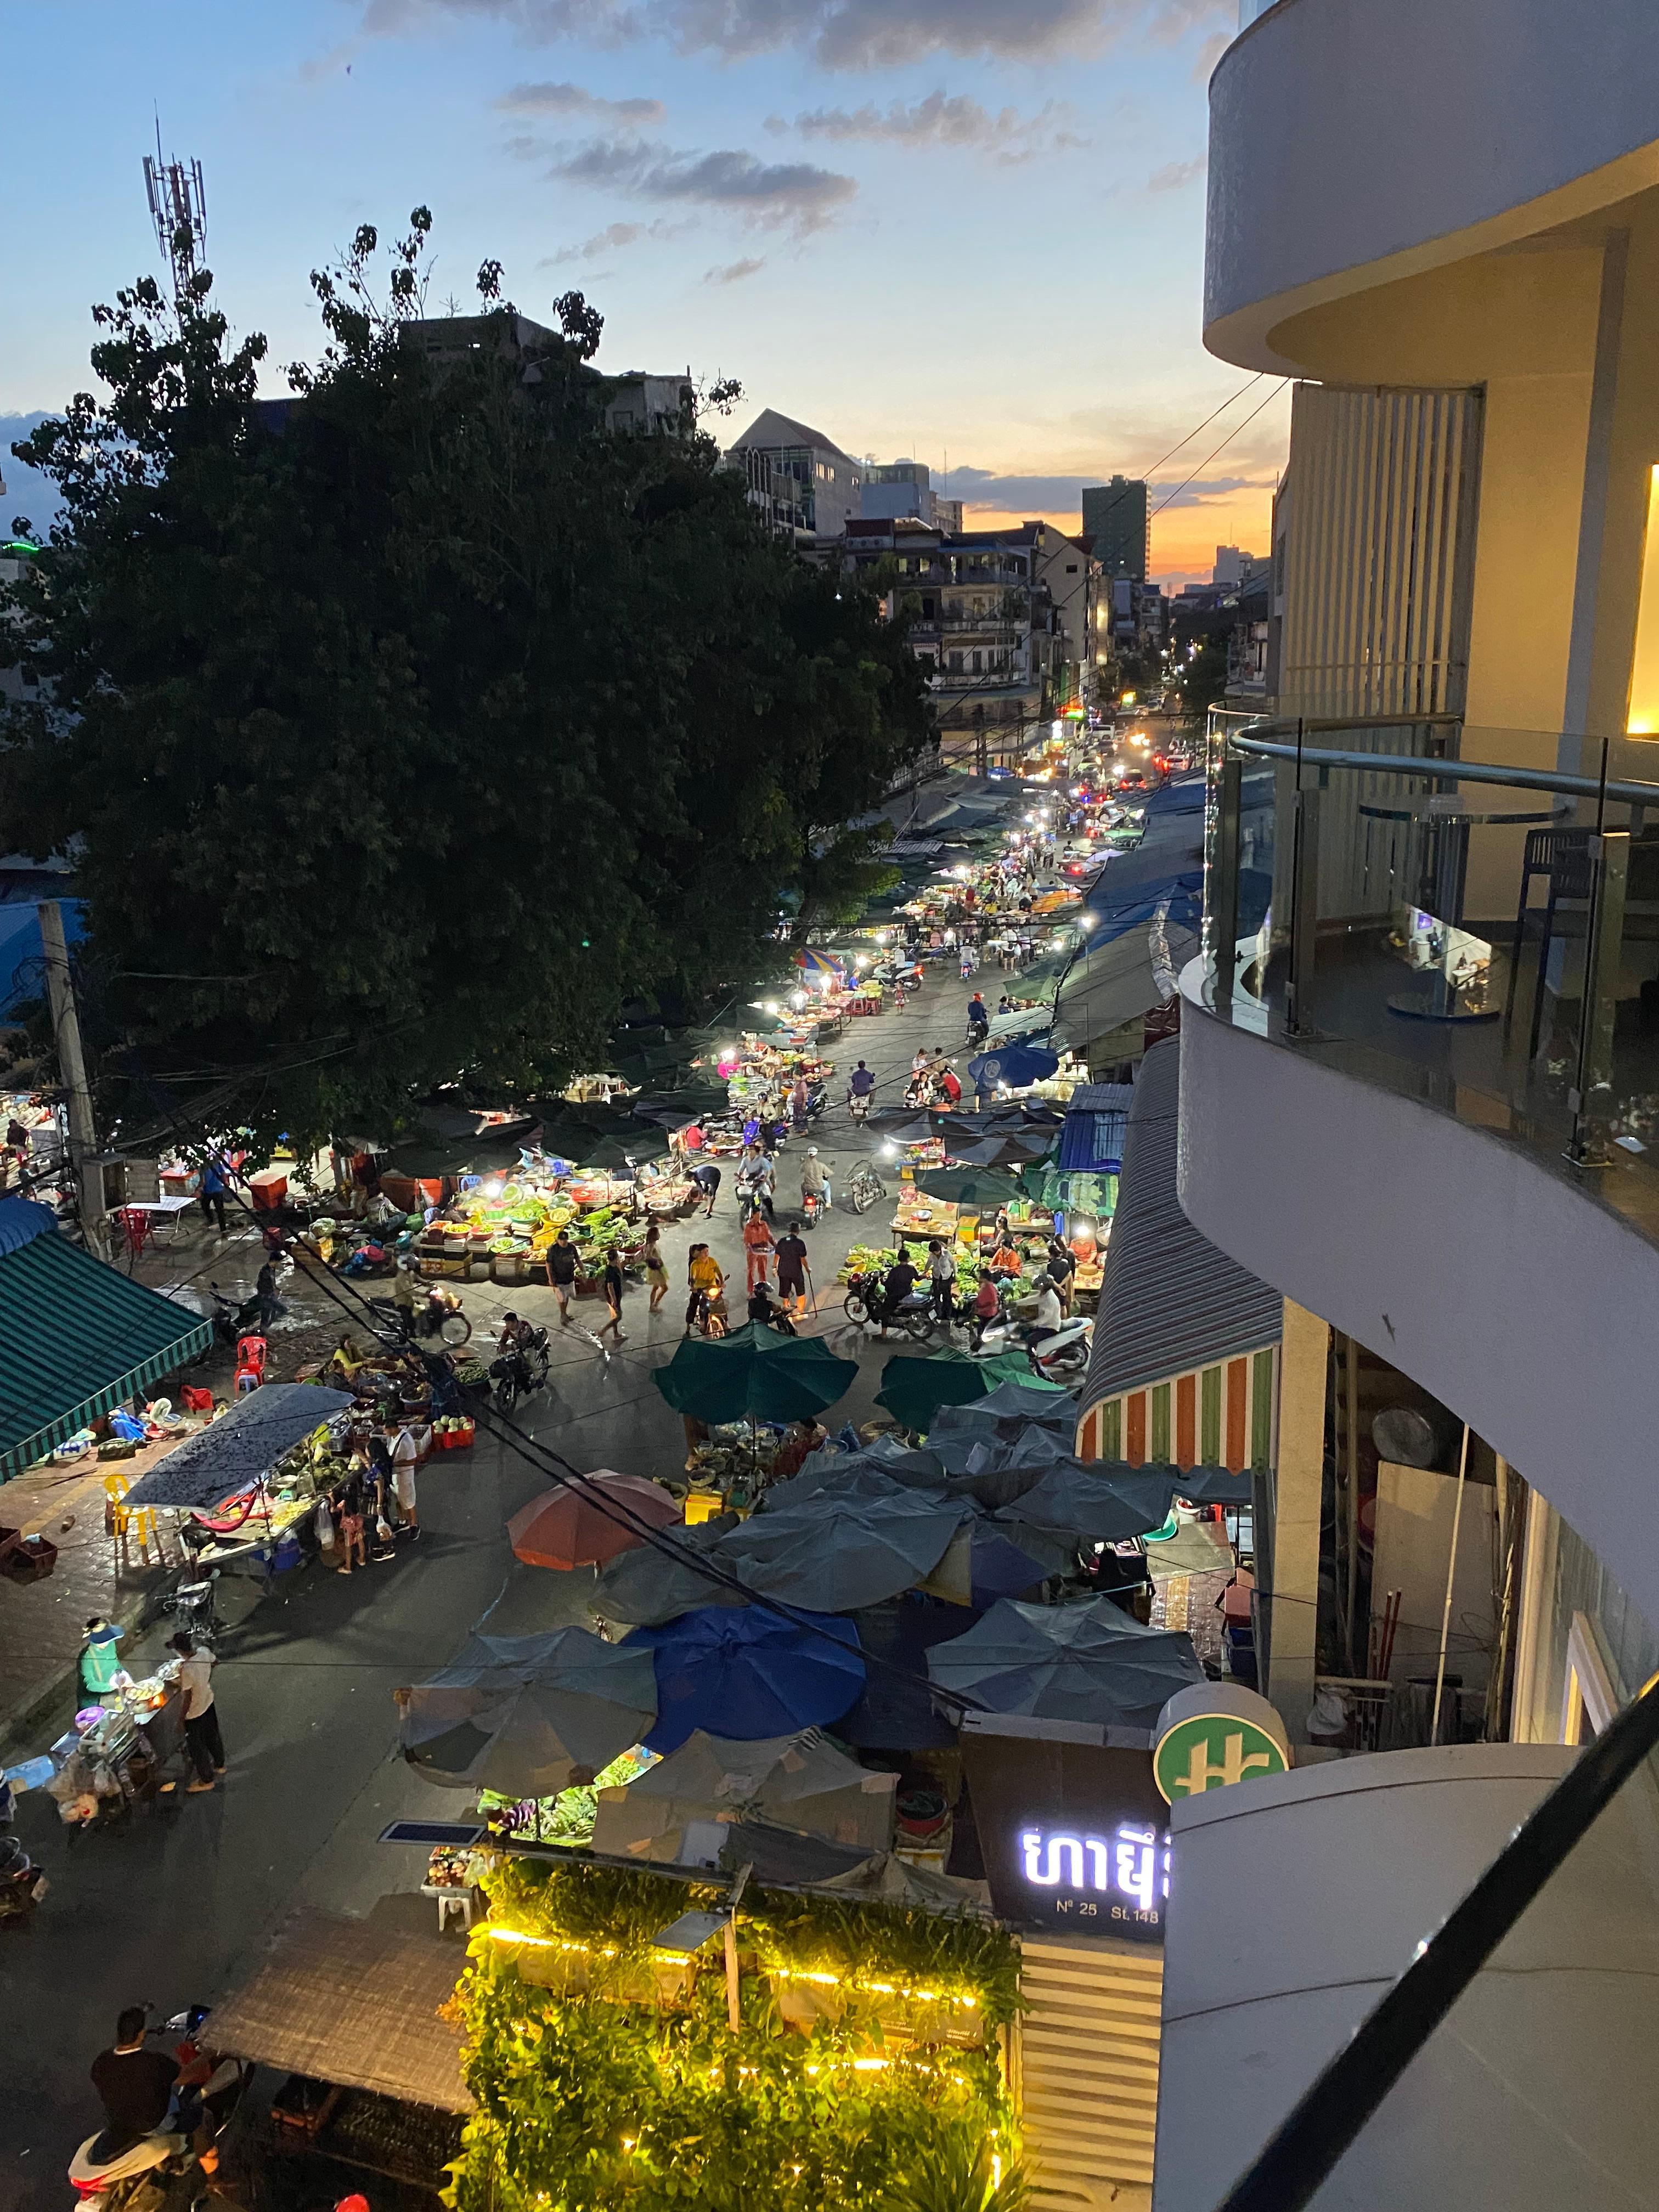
(867, 2051)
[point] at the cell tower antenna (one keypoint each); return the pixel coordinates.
(178, 208)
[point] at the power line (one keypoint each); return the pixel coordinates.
(1223, 447)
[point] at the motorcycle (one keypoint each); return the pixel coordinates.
(108, 2175)
(233, 1319)
(858, 1105)
(438, 1319)
(516, 1374)
(866, 1302)
(1064, 1354)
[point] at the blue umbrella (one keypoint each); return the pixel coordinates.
(1016, 1065)
(749, 1673)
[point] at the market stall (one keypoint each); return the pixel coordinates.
(253, 1480)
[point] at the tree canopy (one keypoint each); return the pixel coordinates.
(407, 728)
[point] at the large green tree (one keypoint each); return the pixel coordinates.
(409, 727)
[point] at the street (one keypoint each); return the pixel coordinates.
(173, 1907)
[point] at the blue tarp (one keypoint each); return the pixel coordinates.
(1016, 1065)
(1092, 1141)
(21, 951)
(1177, 897)
(20, 1222)
(751, 1674)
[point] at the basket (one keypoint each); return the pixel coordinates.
(589, 1287)
(30, 1560)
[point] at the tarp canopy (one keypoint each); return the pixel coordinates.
(77, 1337)
(836, 1552)
(1134, 973)
(913, 1390)
(756, 1372)
(751, 1673)
(1016, 1065)
(528, 1715)
(797, 1781)
(1102, 1502)
(1089, 1663)
(240, 1447)
(582, 1524)
(1011, 1409)
(355, 2002)
(1096, 1122)
(896, 1711)
(645, 1588)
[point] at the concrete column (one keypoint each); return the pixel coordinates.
(1622, 450)
(1298, 1488)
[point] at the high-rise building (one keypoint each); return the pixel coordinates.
(1233, 566)
(1117, 516)
(892, 489)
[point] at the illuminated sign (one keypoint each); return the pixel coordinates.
(1071, 1830)
(1213, 1736)
(1112, 1881)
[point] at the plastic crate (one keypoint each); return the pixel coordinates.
(455, 1439)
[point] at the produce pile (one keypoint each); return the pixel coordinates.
(567, 1819)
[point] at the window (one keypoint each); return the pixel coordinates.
(978, 663)
(956, 664)
(1071, 568)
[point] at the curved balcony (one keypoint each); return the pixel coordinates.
(1355, 142)
(1422, 1096)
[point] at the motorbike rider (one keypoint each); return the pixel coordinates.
(860, 1084)
(900, 1284)
(135, 2084)
(517, 1339)
(1050, 1312)
(979, 1021)
(815, 1186)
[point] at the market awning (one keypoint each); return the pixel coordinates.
(1132, 976)
(355, 2002)
(77, 1337)
(1171, 1302)
(240, 1447)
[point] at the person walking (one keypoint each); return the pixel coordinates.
(214, 1184)
(203, 1740)
(706, 1178)
(1062, 1265)
(265, 1289)
(403, 1457)
(792, 1269)
(758, 1246)
(562, 1272)
(613, 1298)
(656, 1268)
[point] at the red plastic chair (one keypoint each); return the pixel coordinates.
(137, 1228)
(250, 1363)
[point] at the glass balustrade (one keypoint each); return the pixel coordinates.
(1469, 916)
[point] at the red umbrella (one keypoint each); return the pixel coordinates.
(571, 1529)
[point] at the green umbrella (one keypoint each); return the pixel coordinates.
(913, 1390)
(980, 1187)
(757, 1374)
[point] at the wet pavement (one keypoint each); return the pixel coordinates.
(172, 1907)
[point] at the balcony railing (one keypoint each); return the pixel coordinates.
(1452, 911)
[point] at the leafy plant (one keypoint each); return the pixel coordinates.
(961, 2172)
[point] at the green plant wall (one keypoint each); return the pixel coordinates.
(606, 2078)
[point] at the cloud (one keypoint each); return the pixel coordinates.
(1060, 494)
(1209, 54)
(734, 272)
(840, 34)
(603, 241)
(1175, 176)
(574, 99)
(772, 195)
(957, 121)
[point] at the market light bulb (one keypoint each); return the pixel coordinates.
(493, 1188)
(771, 1006)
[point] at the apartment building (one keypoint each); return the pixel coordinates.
(809, 472)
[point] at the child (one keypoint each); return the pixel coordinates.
(613, 1298)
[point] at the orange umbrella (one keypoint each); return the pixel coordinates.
(570, 1527)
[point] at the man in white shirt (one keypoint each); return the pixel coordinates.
(1048, 1311)
(942, 1276)
(206, 1744)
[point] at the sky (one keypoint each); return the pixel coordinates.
(968, 232)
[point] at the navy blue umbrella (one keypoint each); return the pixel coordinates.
(1016, 1065)
(751, 1673)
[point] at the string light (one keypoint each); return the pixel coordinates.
(778, 1973)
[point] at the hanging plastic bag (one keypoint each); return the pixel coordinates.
(324, 1525)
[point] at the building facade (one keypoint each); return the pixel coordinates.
(811, 476)
(1413, 1057)
(1117, 516)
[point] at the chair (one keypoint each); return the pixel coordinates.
(125, 1523)
(250, 1363)
(137, 1228)
(1562, 857)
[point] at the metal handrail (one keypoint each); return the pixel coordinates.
(1446, 771)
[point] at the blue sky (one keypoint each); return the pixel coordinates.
(962, 228)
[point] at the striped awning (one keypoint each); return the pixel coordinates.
(77, 1337)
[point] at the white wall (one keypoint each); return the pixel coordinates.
(1296, 1901)
(1509, 1292)
(1353, 134)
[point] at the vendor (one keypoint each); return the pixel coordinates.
(100, 1667)
(1004, 1259)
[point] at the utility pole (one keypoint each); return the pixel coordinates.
(66, 1030)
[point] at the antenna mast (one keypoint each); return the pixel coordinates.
(178, 208)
